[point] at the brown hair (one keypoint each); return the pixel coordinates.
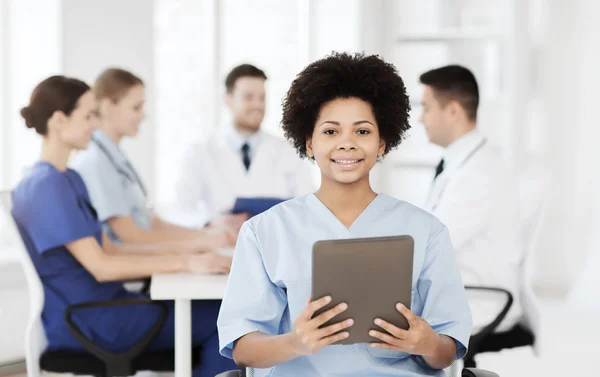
(114, 83)
(56, 93)
(244, 70)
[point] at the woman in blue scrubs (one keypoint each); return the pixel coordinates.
(345, 112)
(76, 261)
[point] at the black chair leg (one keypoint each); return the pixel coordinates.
(469, 361)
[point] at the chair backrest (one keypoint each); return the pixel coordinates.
(35, 337)
(533, 184)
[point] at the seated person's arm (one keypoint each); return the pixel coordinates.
(111, 267)
(54, 217)
(206, 239)
(444, 354)
(263, 351)
(113, 206)
(106, 266)
(445, 308)
(185, 247)
(306, 338)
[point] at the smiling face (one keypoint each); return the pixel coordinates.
(345, 142)
(247, 103)
(125, 115)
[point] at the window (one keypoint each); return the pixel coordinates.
(30, 36)
(197, 43)
(29, 52)
(184, 83)
(264, 33)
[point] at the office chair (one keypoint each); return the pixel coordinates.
(97, 361)
(471, 372)
(526, 333)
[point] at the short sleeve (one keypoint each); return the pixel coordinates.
(104, 184)
(441, 289)
(54, 215)
(252, 302)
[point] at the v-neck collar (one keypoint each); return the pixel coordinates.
(325, 214)
(108, 145)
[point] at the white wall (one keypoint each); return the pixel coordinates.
(31, 49)
(568, 84)
(336, 26)
(99, 34)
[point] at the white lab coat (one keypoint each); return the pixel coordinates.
(476, 197)
(212, 175)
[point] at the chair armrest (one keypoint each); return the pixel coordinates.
(474, 372)
(231, 373)
(144, 284)
(117, 363)
(489, 329)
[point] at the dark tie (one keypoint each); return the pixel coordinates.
(246, 155)
(439, 169)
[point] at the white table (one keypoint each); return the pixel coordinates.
(183, 288)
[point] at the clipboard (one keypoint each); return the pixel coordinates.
(254, 206)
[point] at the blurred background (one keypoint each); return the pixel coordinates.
(537, 63)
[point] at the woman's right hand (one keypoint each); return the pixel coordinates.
(209, 263)
(308, 338)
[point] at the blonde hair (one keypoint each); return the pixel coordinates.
(114, 83)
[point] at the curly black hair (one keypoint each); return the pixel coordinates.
(343, 75)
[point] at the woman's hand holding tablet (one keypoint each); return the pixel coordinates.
(419, 339)
(308, 336)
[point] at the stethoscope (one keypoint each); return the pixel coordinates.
(472, 153)
(131, 176)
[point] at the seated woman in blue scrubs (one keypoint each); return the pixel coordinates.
(345, 112)
(75, 260)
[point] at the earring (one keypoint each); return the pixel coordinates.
(379, 158)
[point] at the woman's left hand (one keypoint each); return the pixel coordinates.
(419, 339)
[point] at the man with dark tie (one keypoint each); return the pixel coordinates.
(472, 192)
(238, 159)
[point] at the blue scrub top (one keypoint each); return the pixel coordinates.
(52, 208)
(114, 186)
(270, 282)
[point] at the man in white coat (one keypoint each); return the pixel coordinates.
(472, 193)
(238, 160)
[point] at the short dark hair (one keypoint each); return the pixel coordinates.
(56, 93)
(454, 82)
(244, 70)
(344, 75)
